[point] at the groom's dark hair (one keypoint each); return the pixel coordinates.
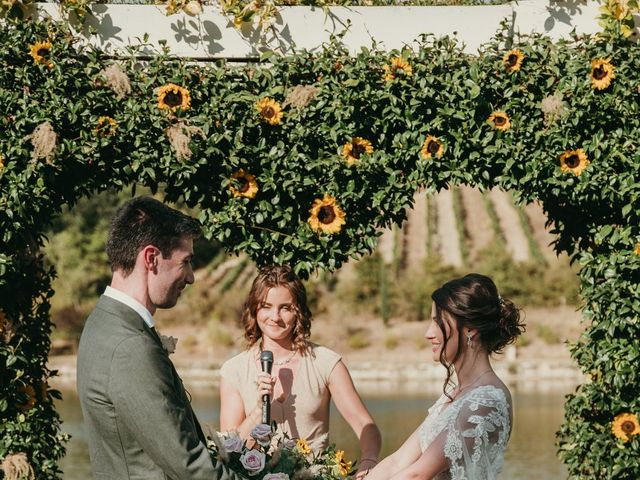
(144, 221)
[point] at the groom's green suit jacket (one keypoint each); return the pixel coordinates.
(136, 412)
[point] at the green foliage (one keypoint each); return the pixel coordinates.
(548, 335)
(383, 277)
(523, 340)
(30, 424)
(449, 95)
(498, 234)
(367, 282)
(460, 215)
(390, 341)
(528, 283)
(218, 334)
(534, 249)
(231, 278)
(431, 225)
(77, 248)
(412, 295)
(358, 338)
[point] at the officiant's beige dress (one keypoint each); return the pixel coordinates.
(303, 413)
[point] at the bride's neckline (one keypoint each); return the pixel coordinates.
(463, 393)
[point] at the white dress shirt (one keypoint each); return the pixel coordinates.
(132, 303)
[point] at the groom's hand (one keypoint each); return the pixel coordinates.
(361, 474)
(364, 466)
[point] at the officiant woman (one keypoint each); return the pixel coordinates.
(305, 376)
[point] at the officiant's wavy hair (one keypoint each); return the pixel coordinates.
(473, 302)
(267, 278)
(146, 221)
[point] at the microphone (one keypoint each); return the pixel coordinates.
(266, 359)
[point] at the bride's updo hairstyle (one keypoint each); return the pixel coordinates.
(267, 278)
(473, 302)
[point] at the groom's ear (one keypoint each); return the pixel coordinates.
(150, 256)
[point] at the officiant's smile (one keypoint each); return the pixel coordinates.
(276, 317)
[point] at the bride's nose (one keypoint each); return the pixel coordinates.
(430, 334)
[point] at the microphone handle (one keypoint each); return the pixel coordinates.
(266, 409)
(267, 364)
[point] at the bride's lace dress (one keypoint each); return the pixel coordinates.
(473, 431)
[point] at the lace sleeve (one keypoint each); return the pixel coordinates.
(477, 435)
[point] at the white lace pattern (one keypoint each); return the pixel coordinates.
(473, 430)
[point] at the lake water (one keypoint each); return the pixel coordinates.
(530, 455)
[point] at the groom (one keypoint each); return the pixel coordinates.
(137, 414)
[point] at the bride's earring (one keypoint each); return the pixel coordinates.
(469, 340)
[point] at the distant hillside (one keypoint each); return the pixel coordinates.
(461, 228)
(445, 235)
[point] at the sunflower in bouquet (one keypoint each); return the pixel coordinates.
(271, 455)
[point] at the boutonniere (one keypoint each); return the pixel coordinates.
(169, 343)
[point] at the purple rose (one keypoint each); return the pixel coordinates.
(262, 434)
(253, 461)
(233, 443)
(290, 443)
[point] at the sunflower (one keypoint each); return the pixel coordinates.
(303, 446)
(625, 425)
(399, 68)
(432, 147)
(513, 60)
(30, 392)
(106, 126)
(574, 161)
(637, 250)
(602, 72)
(269, 110)
(247, 184)
(355, 148)
(41, 53)
(343, 466)
(1, 163)
(326, 215)
(172, 97)
(500, 121)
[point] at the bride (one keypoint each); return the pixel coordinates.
(466, 431)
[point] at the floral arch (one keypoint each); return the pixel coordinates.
(305, 161)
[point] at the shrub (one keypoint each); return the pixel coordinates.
(390, 341)
(358, 338)
(217, 334)
(548, 335)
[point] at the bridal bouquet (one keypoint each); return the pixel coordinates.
(281, 459)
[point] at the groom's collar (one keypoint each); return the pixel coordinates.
(131, 303)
